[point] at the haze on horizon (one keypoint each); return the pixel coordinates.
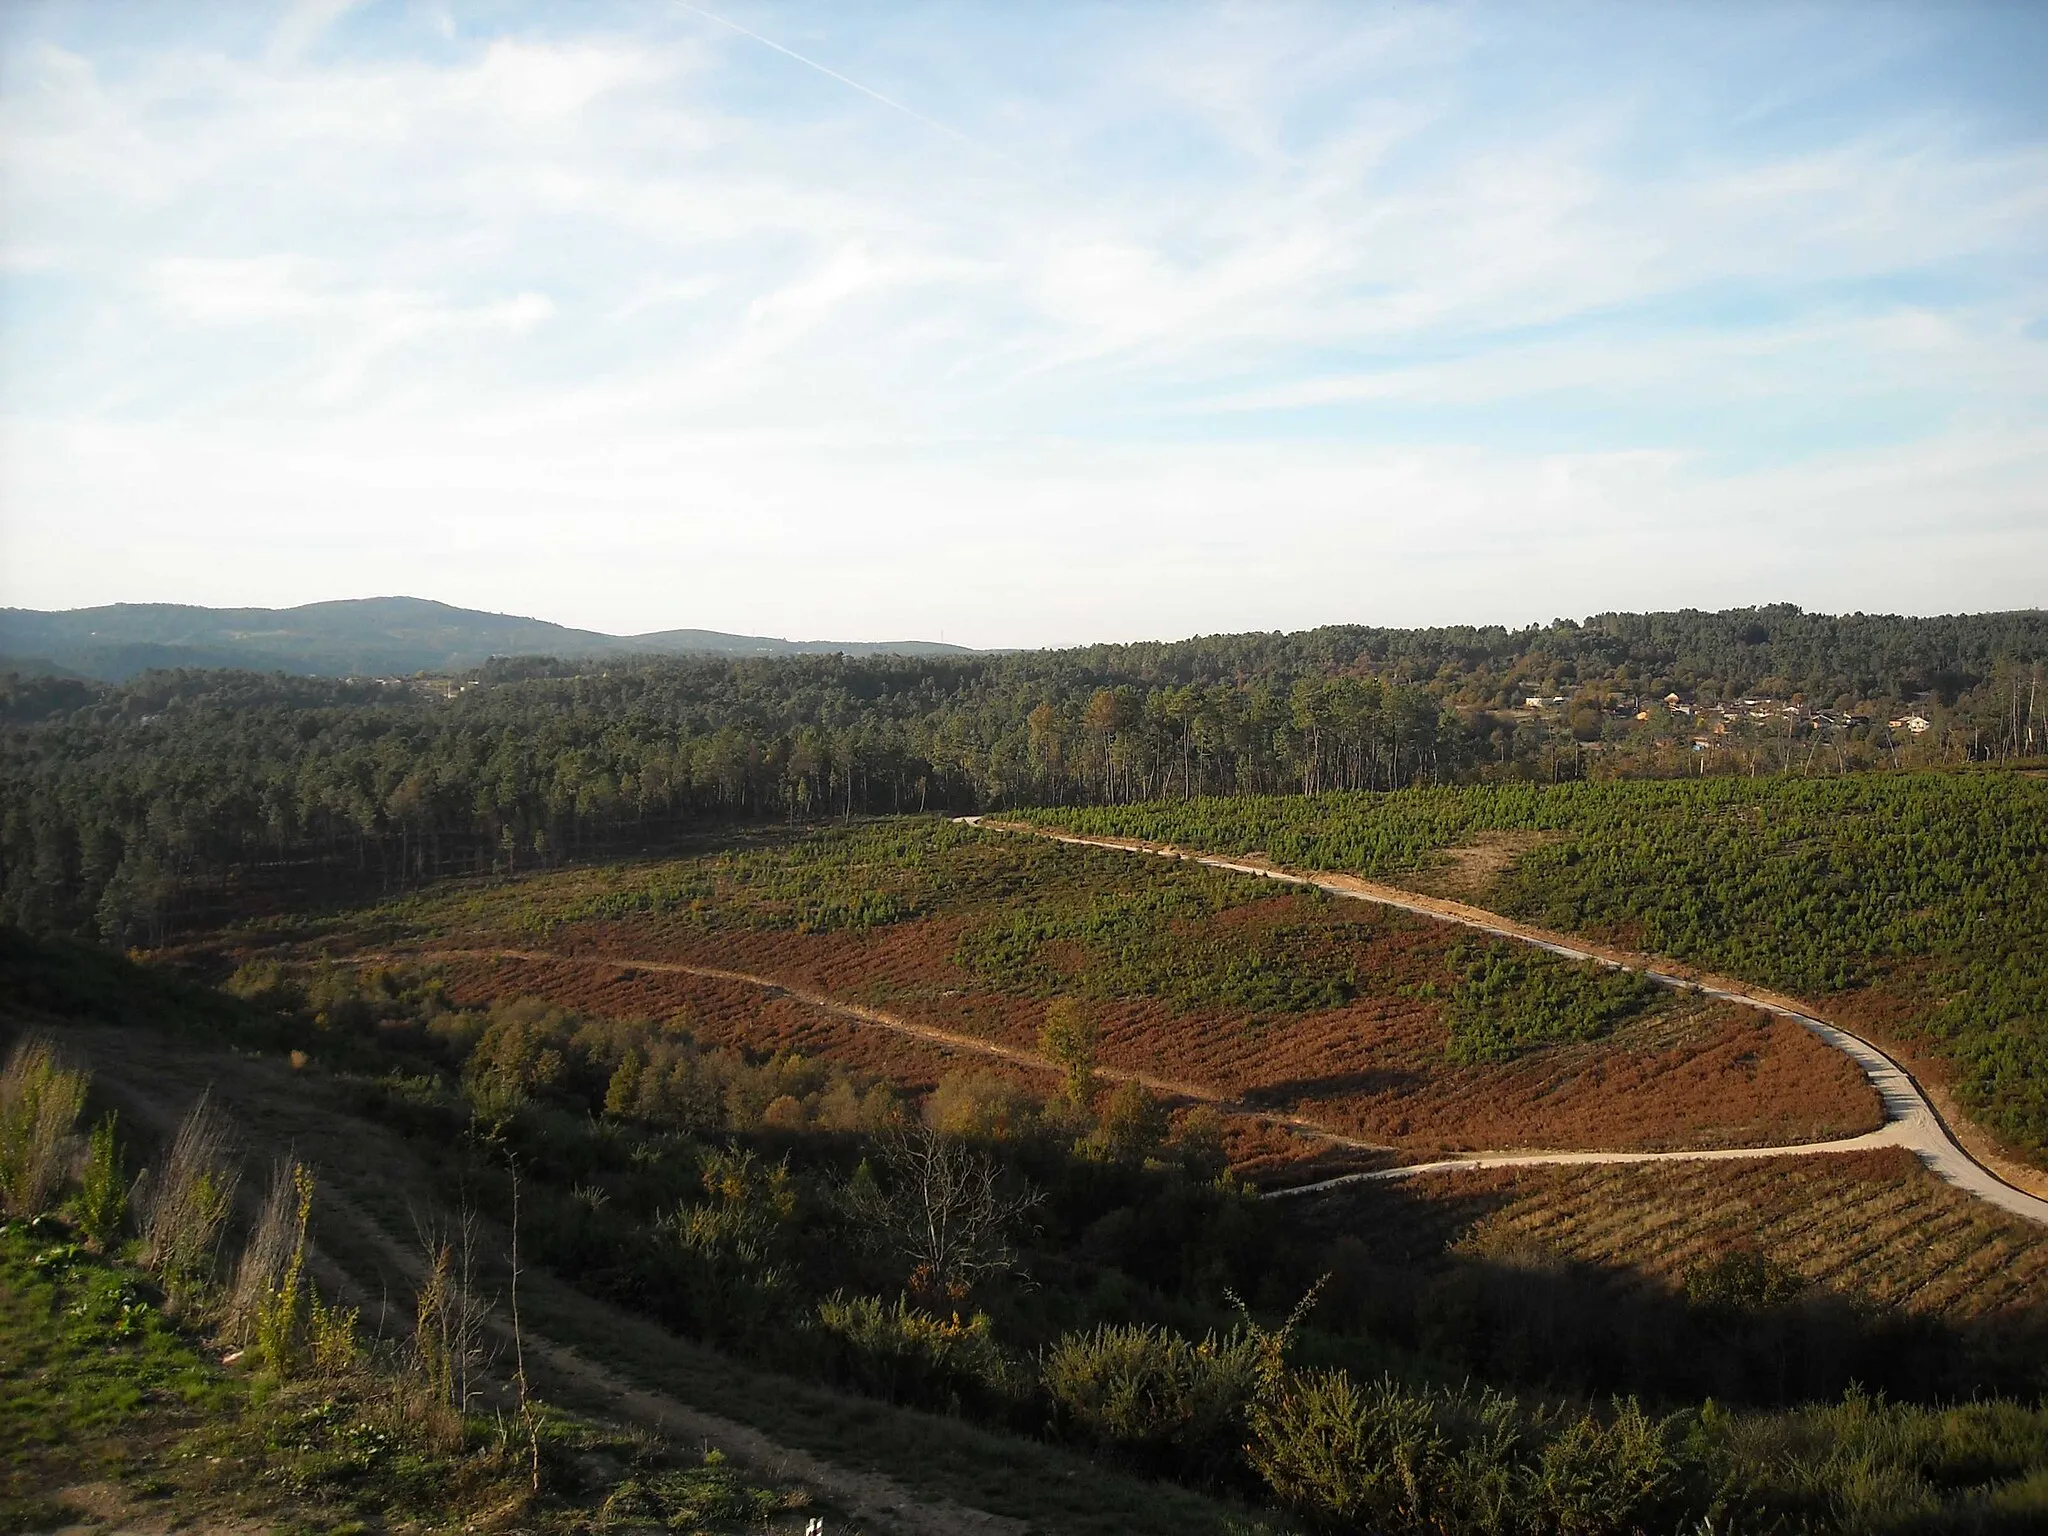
(1024, 326)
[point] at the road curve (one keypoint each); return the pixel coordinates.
(1911, 1120)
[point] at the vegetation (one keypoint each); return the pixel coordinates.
(1087, 1295)
(115, 1388)
(1055, 1269)
(1920, 899)
(135, 810)
(1510, 998)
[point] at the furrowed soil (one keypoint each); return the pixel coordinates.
(1274, 1003)
(1874, 1226)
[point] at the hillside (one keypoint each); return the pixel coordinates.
(918, 1167)
(362, 637)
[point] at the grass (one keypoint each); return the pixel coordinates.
(93, 1378)
(108, 1406)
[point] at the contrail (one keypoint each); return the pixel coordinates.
(769, 42)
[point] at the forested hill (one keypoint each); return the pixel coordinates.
(130, 808)
(1778, 650)
(364, 637)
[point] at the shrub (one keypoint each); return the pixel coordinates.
(187, 1201)
(39, 1106)
(1509, 998)
(1068, 1040)
(1132, 1125)
(1444, 1462)
(1334, 1450)
(1741, 1281)
(907, 1355)
(728, 1255)
(267, 1309)
(1146, 1390)
(1598, 1479)
(451, 1319)
(102, 1203)
(982, 1106)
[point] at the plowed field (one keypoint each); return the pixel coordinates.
(1192, 975)
(1873, 1225)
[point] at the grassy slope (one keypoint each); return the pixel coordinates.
(372, 1176)
(111, 1411)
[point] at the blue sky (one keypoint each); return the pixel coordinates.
(1025, 324)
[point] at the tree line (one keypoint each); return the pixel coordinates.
(128, 810)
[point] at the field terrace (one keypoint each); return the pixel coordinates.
(1872, 1226)
(1284, 1006)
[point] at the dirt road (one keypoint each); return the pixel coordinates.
(1911, 1120)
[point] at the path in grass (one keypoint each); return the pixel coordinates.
(1911, 1120)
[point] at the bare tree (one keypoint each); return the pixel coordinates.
(452, 1314)
(944, 1209)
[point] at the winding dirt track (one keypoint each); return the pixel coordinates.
(1911, 1120)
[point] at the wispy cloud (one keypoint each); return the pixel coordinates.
(1249, 294)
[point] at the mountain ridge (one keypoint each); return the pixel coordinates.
(368, 636)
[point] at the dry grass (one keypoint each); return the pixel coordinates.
(186, 1202)
(40, 1101)
(1472, 872)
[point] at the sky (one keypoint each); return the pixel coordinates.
(1022, 325)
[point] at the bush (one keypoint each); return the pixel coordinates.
(1336, 1451)
(1509, 998)
(186, 1203)
(1443, 1462)
(268, 1307)
(102, 1203)
(1599, 1479)
(39, 1106)
(908, 1355)
(1148, 1391)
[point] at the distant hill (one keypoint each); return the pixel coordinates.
(360, 637)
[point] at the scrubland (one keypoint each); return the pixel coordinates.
(1373, 1024)
(955, 1179)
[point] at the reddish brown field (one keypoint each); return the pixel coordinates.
(1875, 1225)
(1687, 1074)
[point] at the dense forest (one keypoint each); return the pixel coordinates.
(129, 809)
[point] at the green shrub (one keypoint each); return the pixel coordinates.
(1337, 1451)
(268, 1309)
(1868, 1467)
(1395, 1461)
(39, 1106)
(1509, 998)
(1606, 1479)
(102, 1203)
(1146, 1390)
(907, 1355)
(1742, 1282)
